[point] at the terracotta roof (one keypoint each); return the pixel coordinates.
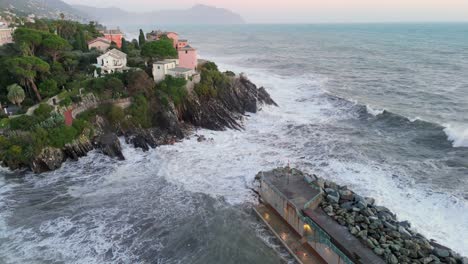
(115, 53)
(187, 47)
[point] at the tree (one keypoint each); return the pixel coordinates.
(113, 45)
(78, 43)
(58, 73)
(161, 49)
(15, 94)
(48, 88)
(54, 46)
(27, 69)
(84, 43)
(135, 44)
(124, 47)
(28, 40)
(141, 38)
(139, 82)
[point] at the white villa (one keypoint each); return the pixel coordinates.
(170, 67)
(112, 61)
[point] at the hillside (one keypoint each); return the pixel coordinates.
(43, 8)
(198, 14)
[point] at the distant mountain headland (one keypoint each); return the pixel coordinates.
(198, 14)
(43, 9)
(53, 9)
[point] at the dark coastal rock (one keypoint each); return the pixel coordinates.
(167, 119)
(142, 138)
(78, 148)
(227, 108)
(109, 144)
(49, 159)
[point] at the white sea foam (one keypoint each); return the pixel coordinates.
(458, 134)
(226, 165)
(374, 111)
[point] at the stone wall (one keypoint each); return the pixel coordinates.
(379, 229)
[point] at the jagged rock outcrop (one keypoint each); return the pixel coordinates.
(171, 124)
(227, 109)
(48, 160)
(109, 144)
(166, 119)
(78, 148)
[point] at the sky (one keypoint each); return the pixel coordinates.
(312, 11)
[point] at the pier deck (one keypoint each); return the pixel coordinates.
(302, 252)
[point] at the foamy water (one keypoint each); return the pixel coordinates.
(189, 202)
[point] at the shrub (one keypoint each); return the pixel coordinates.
(43, 111)
(229, 74)
(116, 114)
(175, 88)
(66, 101)
(61, 135)
(210, 66)
(48, 88)
(23, 122)
(4, 123)
(140, 111)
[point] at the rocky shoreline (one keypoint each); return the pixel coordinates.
(225, 111)
(379, 229)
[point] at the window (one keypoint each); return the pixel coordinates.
(159, 67)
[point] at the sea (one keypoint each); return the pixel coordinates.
(381, 108)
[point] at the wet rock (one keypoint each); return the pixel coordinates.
(328, 209)
(404, 232)
(333, 199)
(379, 251)
(346, 195)
(348, 205)
(109, 144)
(78, 148)
(441, 252)
(48, 160)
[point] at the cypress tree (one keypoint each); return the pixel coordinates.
(78, 43)
(84, 44)
(141, 38)
(124, 48)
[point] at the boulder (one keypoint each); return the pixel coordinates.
(379, 251)
(346, 195)
(441, 252)
(48, 160)
(333, 199)
(109, 144)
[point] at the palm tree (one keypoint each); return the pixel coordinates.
(15, 94)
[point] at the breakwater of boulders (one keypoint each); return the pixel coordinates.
(379, 229)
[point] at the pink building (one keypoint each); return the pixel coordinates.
(114, 35)
(174, 36)
(182, 43)
(187, 57)
(101, 44)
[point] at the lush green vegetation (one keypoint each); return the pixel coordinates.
(175, 89)
(159, 50)
(51, 58)
(211, 81)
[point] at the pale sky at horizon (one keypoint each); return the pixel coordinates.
(313, 11)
